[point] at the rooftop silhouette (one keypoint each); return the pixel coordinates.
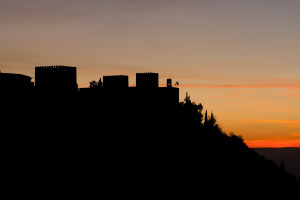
(15, 81)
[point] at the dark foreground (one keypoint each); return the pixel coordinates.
(290, 157)
(132, 154)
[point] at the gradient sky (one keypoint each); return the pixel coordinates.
(239, 58)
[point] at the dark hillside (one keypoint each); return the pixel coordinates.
(137, 152)
(290, 157)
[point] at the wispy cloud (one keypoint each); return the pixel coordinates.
(241, 92)
(243, 86)
(291, 95)
(289, 123)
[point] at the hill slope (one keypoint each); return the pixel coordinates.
(142, 153)
(290, 157)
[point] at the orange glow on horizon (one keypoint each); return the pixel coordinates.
(272, 143)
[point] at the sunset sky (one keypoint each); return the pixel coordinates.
(239, 58)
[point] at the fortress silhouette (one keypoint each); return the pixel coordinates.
(110, 139)
(58, 84)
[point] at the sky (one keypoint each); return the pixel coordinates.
(239, 58)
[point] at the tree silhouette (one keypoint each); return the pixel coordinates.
(213, 121)
(93, 84)
(187, 98)
(100, 83)
(206, 119)
(191, 111)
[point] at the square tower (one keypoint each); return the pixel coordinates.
(147, 80)
(116, 82)
(56, 78)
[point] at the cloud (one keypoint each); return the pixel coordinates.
(244, 86)
(289, 123)
(241, 92)
(291, 95)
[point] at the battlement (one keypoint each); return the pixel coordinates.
(55, 67)
(147, 73)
